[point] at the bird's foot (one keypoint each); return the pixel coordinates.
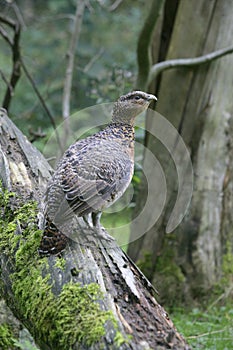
(92, 221)
(100, 231)
(88, 221)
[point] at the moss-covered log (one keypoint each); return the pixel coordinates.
(90, 298)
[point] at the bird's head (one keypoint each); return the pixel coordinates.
(128, 106)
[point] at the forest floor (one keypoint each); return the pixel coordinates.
(209, 329)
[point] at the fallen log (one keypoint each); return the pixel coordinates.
(91, 297)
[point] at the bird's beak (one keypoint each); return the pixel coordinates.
(151, 98)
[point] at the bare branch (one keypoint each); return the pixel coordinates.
(6, 81)
(187, 62)
(207, 334)
(18, 15)
(70, 65)
(6, 36)
(49, 19)
(15, 75)
(224, 296)
(8, 21)
(93, 60)
(38, 94)
(114, 6)
(110, 8)
(14, 44)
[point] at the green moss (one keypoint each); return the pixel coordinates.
(60, 263)
(227, 262)
(79, 316)
(119, 339)
(24, 344)
(6, 337)
(226, 279)
(73, 316)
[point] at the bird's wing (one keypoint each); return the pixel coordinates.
(90, 182)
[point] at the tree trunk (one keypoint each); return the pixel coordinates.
(198, 102)
(92, 297)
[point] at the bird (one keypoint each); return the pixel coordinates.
(92, 174)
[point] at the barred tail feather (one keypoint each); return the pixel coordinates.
(53, 241)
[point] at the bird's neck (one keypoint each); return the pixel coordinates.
(120, 115)
(122, 131)
(118, 120)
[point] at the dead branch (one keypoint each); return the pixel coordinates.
(4, 78)
(207, 333)
(8, 21)
(18, 63)
(70, 64)
(115, 5)
(15, 49)
(111, 7)
(5, 36)
(42, 101)
(18, 14)
(93, 60)
(187, 62)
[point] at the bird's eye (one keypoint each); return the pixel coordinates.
(137, 97)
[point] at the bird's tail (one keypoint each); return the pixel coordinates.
(53, 241)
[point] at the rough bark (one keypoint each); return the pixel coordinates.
(16, 56)
(198, 102)
(144, 42)
(93, 284)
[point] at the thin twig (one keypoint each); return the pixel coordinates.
(18, 15)
(15, 75)
(49, 19)
(187, 62)
(70, 65)
(93, 60)
(6, 81)
(7, 21)
(208, 333)
(28, 75)
(224, 295)
(110, 8)
(114, 6)
(15, 50)
(5, 36)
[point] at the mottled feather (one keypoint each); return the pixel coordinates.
(94, 172)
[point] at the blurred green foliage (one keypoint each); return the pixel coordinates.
(105, 61)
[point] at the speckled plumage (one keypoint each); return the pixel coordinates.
(93, 173)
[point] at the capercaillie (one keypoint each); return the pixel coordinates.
(93, 173)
